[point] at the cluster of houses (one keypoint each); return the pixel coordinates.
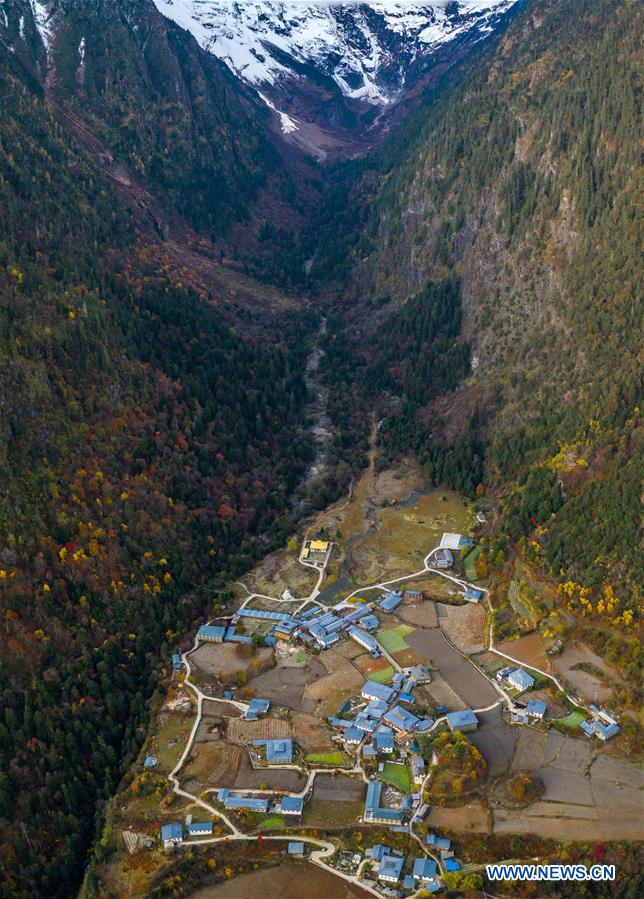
(314, 627)
(600, 725)
(381, 715)
(422, 871)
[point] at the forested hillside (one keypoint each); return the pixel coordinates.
(146, 447)
(518, 190)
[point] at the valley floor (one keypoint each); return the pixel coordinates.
(385, 536)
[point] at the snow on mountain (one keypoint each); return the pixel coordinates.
(366, 48)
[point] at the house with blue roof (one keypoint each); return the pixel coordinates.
(390, 602)
(441, 843)
(472, 595)
(378, 851)
(596, 728)
(199, 828)
(353, 736)
(370, 623)
(364, 722)
(520, 680)
(231, 636)
(452, 865)
(208, 633)
(372, 799)
(257, 707)
(171, 834)
(383, 739)
(424, 869)
(535, 708)
(390, 868)
(408, 882)
(364, 639)
(246, 802)
(278, 752)
(400, 719)
(463, 721)
(373, 690)
(295, 847)
(176, 661)
(291, 805)
(369, 751)
(376, 708)
(150, 761)
(424, 724)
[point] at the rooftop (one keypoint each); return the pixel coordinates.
(424, 868)
(466, 718)
(373, 690)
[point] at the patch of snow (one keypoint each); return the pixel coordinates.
(41, 16)
(81, 52)
(288, 124)
(21, 28)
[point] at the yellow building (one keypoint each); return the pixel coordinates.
(319, 546)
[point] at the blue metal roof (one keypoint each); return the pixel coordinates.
(261, 613)
(424, 868)
(438, 842)
(373, 690)
(462, 719)
(199, 827)
(370, 623)
(279, 751)
(249, 802)
(409, 882)
(353, 735)
(293, 804)
(176, 660)
(363, 638)
(150, 761)
(400, 718)
(374, 791)
(378, 851)
(172, 831)
(536, 707)
(210, 632)
(452, 865)
(295, 848)
(391, 866)
(390, 602)
(258, 706)
(521, 679)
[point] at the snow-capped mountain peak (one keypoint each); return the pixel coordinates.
(367, 49)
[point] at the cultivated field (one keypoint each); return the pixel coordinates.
(461, 675)
(223, 660)
(312, 733)
(284, 883)
(422, 614)
(595, 682)
(470, 818)
(241, 731)
(327, 693)
(464, 625)
(285, 686)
